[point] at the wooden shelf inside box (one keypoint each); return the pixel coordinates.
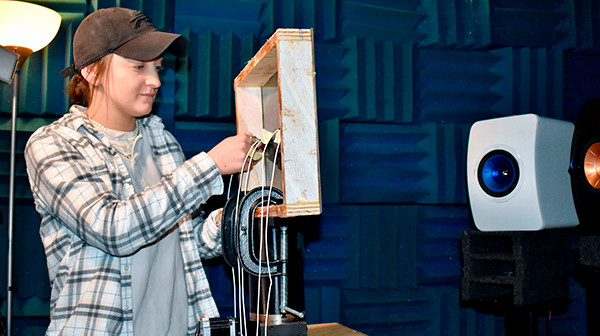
(276, 91)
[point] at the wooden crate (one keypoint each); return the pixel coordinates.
(276, 91)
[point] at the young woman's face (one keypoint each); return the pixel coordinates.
(132, 86)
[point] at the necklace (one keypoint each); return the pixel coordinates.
(127, 145)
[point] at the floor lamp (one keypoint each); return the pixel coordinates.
(24, 29)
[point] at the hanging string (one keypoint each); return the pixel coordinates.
(261, 242)
(241, 307)
(265, 231)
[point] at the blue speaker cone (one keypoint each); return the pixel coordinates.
(498, 173)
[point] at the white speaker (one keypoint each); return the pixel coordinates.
(518, 174)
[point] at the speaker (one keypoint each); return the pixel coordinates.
(585, 167)
(518, 174)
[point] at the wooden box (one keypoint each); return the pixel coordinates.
(276, 91)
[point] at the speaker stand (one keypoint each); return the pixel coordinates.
(521, 323)
(516, 274)
(588, 274)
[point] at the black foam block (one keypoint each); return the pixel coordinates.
(515, 268)
(589, 251)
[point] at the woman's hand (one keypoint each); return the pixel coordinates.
(230, 154)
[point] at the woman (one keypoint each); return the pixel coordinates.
(116, 196)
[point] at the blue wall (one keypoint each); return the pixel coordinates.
(399, 83)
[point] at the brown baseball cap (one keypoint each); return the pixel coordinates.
(125, 32)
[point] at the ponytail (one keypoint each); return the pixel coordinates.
(80, 90)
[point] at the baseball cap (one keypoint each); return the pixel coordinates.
(122, 31)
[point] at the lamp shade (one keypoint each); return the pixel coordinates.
(27, 25)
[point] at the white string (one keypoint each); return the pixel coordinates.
(267, 216)
(241, 302)
(243, 320)
(252, 151)
(237, 273)
(233, 273)
(229, 187)
(264, 241)
(261, 244)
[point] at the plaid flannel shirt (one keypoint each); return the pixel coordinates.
(92, 222)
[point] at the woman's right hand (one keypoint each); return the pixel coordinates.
(230, 154)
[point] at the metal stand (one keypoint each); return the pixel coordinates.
(276, 310)
(11, 205)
